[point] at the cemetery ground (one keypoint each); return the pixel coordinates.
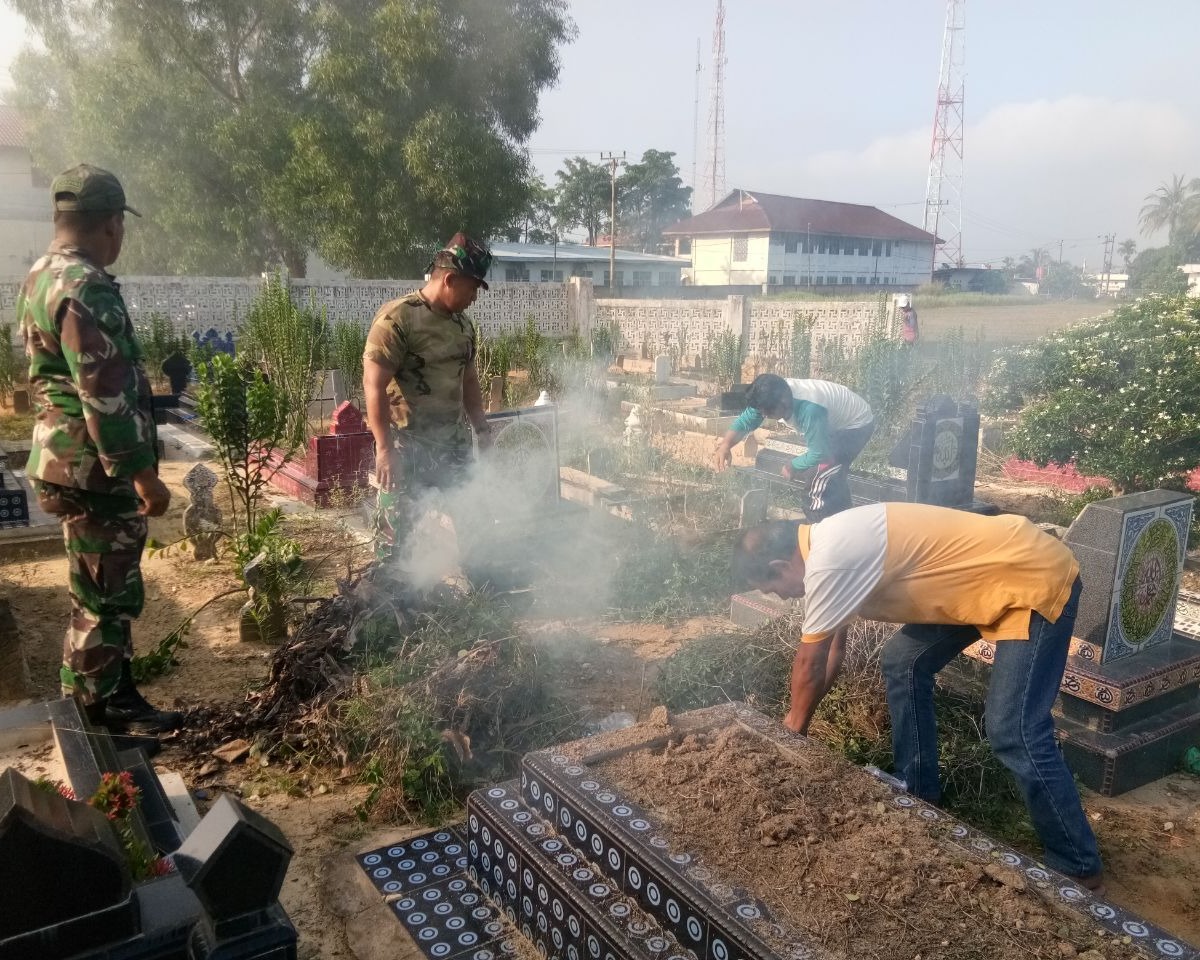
(609, 661)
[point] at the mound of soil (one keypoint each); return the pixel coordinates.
(813, 837)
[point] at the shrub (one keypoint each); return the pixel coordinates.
(8, 363)
(347, 342)
(157, 337)
(1118, 397)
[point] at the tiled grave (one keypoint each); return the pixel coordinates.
(14, 498)
(1130, 694)
(191, 910)
(338, 463)
(584, 874)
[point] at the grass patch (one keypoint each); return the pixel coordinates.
(661, 578)
(16, 426)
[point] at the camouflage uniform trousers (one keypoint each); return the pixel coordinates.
(428, 461)
(104, 537)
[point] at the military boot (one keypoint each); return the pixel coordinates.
(129, 712)
(96, 714)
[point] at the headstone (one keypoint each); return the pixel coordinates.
(1131, 551)
(337, 387)
(635, 433)
(346, 419)
(599, 463)
(943, 450)
(20, 401)
(754, 508)
(496, 395)
(177, 369)
(662, 368)
(202, 518)
(59, 859)
(543, 399)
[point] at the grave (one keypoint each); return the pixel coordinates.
(68, 888)
(334, 465)
(1129, 704)
(14, 498)
(580, 870)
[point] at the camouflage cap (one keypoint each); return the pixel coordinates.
(464, 255)
(89, 189)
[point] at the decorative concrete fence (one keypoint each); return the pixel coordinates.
(558, 309)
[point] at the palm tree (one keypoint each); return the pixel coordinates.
(1127, 249)
(1168, 206)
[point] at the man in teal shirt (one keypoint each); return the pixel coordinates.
(836, 423)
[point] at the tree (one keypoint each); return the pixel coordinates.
(1118, 397)
(583, 197)
(1172, 205)
(1127, 248)
(650, 197)
(537, 222)
(252, 133)
(1065, 281)
(1157, 271)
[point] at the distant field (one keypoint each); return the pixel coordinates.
(1006, 323)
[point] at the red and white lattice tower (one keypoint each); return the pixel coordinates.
(943, 194)
(714, 169)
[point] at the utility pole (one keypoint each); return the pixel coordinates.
(943, 192)
(1060, 248)
(696, 127)
(1109, 242)
(613, 162)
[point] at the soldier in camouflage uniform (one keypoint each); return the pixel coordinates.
(419, 376)
(93, 460)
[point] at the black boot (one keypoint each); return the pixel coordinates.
(128, 711)
(96, 713)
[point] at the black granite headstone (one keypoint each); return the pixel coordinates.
(60, 861)
(943, 452)
(178, 369)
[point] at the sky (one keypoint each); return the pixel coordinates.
(1075, 109)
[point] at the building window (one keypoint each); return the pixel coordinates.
(668, 279)
(772, 281)
(620, 278)
(685, 245)
(847, 280)
(822, 245)
(819, 282)
(606, 278)
(789, 279)
(547, 276)
(861, 281)
(864, 248)
(517, 274)
(741, 249)
(641, 278)
(789, 242)
(877, 248)
(579, 270)
(887, 248)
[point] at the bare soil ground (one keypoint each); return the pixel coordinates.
(812, 837)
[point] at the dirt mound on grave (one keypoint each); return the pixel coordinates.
(815, 839)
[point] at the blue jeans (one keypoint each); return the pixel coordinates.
(1021, 692)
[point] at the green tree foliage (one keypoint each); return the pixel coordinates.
(1157, 271)
(158, 340)
(583, 197)
(537, 223)
(1119, 397)
(650, 197)
(251, 133)
(1174, 206)
(1127, 249)
(8, 363)
(1065, 281)
(347, 342)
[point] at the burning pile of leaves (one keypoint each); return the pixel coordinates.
(423, 695)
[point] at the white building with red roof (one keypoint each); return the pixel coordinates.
(763, 239)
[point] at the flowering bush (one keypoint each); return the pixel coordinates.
(1119, 397)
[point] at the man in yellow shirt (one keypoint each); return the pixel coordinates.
(952, 578)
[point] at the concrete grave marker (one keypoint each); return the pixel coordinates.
(1131, 551)
(202, 517)
(20, 401)
(754, 507)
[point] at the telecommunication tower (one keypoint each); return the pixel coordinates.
(696, 128)
(943, 194)
(714, 174)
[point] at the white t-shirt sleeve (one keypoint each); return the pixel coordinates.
(845, 564)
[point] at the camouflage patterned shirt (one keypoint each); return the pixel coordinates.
(429, 353)
(95, 420)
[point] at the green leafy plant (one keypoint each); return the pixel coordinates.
(1119, 397)
(801, 347)
(726, 352)
(157, 337)
(247, 418)
(8, 363)
(291, 343)
(347, 341)
(494, 357)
